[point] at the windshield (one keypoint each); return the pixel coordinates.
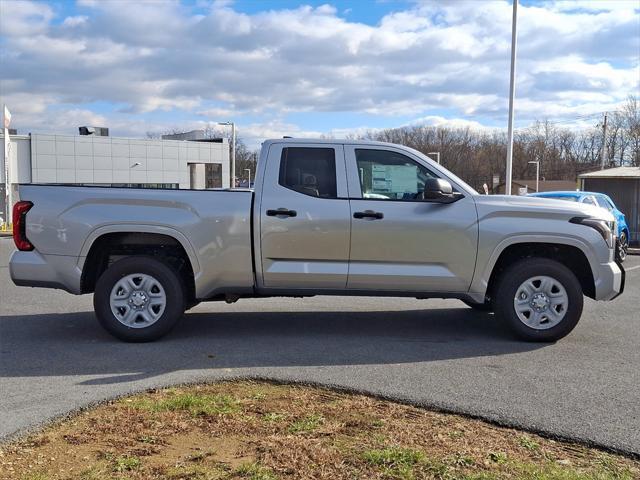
(556, 197)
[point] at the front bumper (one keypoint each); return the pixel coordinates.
(622, 280)
(33, 269)
(609, 280)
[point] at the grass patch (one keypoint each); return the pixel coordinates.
(396, 462)
(195, 404)
(273, 417)
(126, 464)
(498, 457)
(149, 439)
(35, 476)
(260, 431)
(254, 471)
(553, 471)
(529, 443)
(460, 460)
(307, 424)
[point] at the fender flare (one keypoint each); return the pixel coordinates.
(480, 282)
(145, 228)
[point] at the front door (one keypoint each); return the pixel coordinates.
(304, 217)
(399, 242)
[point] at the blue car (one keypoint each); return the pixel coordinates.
(600, 200)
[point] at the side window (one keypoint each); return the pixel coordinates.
(388, 175)
(308, 170)
(604, 203)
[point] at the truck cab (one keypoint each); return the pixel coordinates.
(354, 217)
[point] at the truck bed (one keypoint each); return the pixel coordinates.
(213, 226)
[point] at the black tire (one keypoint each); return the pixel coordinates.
(622, 247)
(515, 275)
(171, 283)
(481, 307)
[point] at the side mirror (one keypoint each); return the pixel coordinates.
(439, 191)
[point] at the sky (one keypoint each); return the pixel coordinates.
(310, 68)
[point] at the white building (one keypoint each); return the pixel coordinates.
(112, 161)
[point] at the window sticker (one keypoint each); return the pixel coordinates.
(394, 179)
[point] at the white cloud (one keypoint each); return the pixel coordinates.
(146, 57)
(75, 21)
(24, 18)
(438, 121)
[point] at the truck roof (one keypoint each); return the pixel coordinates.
(328, 141)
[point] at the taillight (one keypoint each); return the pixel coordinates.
(20, 210)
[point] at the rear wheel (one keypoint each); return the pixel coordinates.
(623, 246)
(139, 299)
(539, 299)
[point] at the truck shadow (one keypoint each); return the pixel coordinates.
(74, 344)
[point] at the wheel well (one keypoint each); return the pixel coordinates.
(111, 247)
(571, 257)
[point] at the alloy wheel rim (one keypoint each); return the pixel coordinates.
(137, 300)
(541, 302)
(623, 245)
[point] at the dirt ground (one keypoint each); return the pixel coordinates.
(263, 431)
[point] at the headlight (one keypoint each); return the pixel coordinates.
(603, 227)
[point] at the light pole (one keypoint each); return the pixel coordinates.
(233, 151)
(248, 170)
(437, 154)
(537, 162)
(6, 121)
(512, 95)
(603, 152)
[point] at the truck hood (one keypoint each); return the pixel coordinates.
(539, 206)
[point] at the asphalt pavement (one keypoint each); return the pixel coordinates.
(54, 358)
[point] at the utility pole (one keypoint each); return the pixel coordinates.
(603, 153)
(537, 162)
(512, 95)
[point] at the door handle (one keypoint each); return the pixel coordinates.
(282, 212)
(369, 214)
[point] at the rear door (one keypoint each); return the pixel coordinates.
(399, 242)
(304, 217)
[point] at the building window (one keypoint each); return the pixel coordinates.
(213, 175)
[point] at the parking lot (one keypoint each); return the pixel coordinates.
(54, 358)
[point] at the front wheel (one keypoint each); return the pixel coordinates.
(623, 247)
(139, 299)
(539, 299)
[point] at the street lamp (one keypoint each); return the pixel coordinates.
(437, 154)
(537, 162)
(233, 151)
(512, 97)
(248, 170)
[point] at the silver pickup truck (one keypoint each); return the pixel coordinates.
(327, 217)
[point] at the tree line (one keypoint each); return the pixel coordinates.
(477, 155)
